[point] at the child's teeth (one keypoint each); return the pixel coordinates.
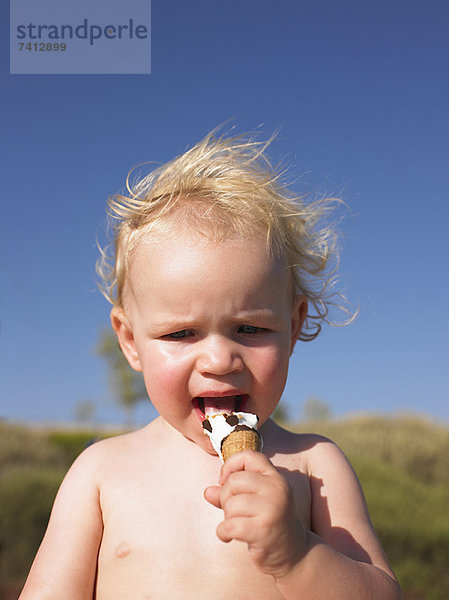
(220, 404)
(212, 410)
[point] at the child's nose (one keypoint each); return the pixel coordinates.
(219, 356)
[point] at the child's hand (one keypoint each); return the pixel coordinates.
(259, 509)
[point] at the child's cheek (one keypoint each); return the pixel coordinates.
(273, 368)
(165, 369)
(275, 357)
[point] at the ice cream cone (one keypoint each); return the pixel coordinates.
(237, 441)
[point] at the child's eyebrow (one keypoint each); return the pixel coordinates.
(179, 322)
(169, 325)
(257, 313)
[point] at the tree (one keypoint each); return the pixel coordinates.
(127, 385)
(315, 409)
(85, 412)
(281, 412)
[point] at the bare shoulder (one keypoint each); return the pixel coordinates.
(331, 475)
(106, 451)
(315, 453)
(83, 482)
(90, 465)
(302, 449)
(324, 457)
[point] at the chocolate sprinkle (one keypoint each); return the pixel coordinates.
(207, 425)
(232, 420)
(243, 428)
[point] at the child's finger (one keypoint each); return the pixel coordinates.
(241, 482)
(247, 460)
(243, 505)
(212, 495)
(238, 528)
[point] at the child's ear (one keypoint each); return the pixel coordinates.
(299, 314)
(125, 336)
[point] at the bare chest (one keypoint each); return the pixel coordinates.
(159, 542)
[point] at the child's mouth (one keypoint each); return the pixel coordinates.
(223, 404)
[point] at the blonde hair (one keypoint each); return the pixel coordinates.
(226, 185)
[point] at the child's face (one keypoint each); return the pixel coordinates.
(208, 320)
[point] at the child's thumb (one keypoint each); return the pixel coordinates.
(212, 495)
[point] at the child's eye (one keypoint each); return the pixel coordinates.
(249, 329)
(179, 335)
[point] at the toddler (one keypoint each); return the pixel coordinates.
(217, 272)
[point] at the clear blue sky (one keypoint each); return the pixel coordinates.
(361, 93)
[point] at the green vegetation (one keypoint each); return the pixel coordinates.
(402, 463)
(32, 466)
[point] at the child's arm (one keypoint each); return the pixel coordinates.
(66, 562)
(341, 559)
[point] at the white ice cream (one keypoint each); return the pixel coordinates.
(221, 428)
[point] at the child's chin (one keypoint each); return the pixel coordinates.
(208, 448)
(203, 441)
(211, 451)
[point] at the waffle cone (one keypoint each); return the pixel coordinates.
(237, 441)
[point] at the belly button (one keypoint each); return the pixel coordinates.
(122, 550)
